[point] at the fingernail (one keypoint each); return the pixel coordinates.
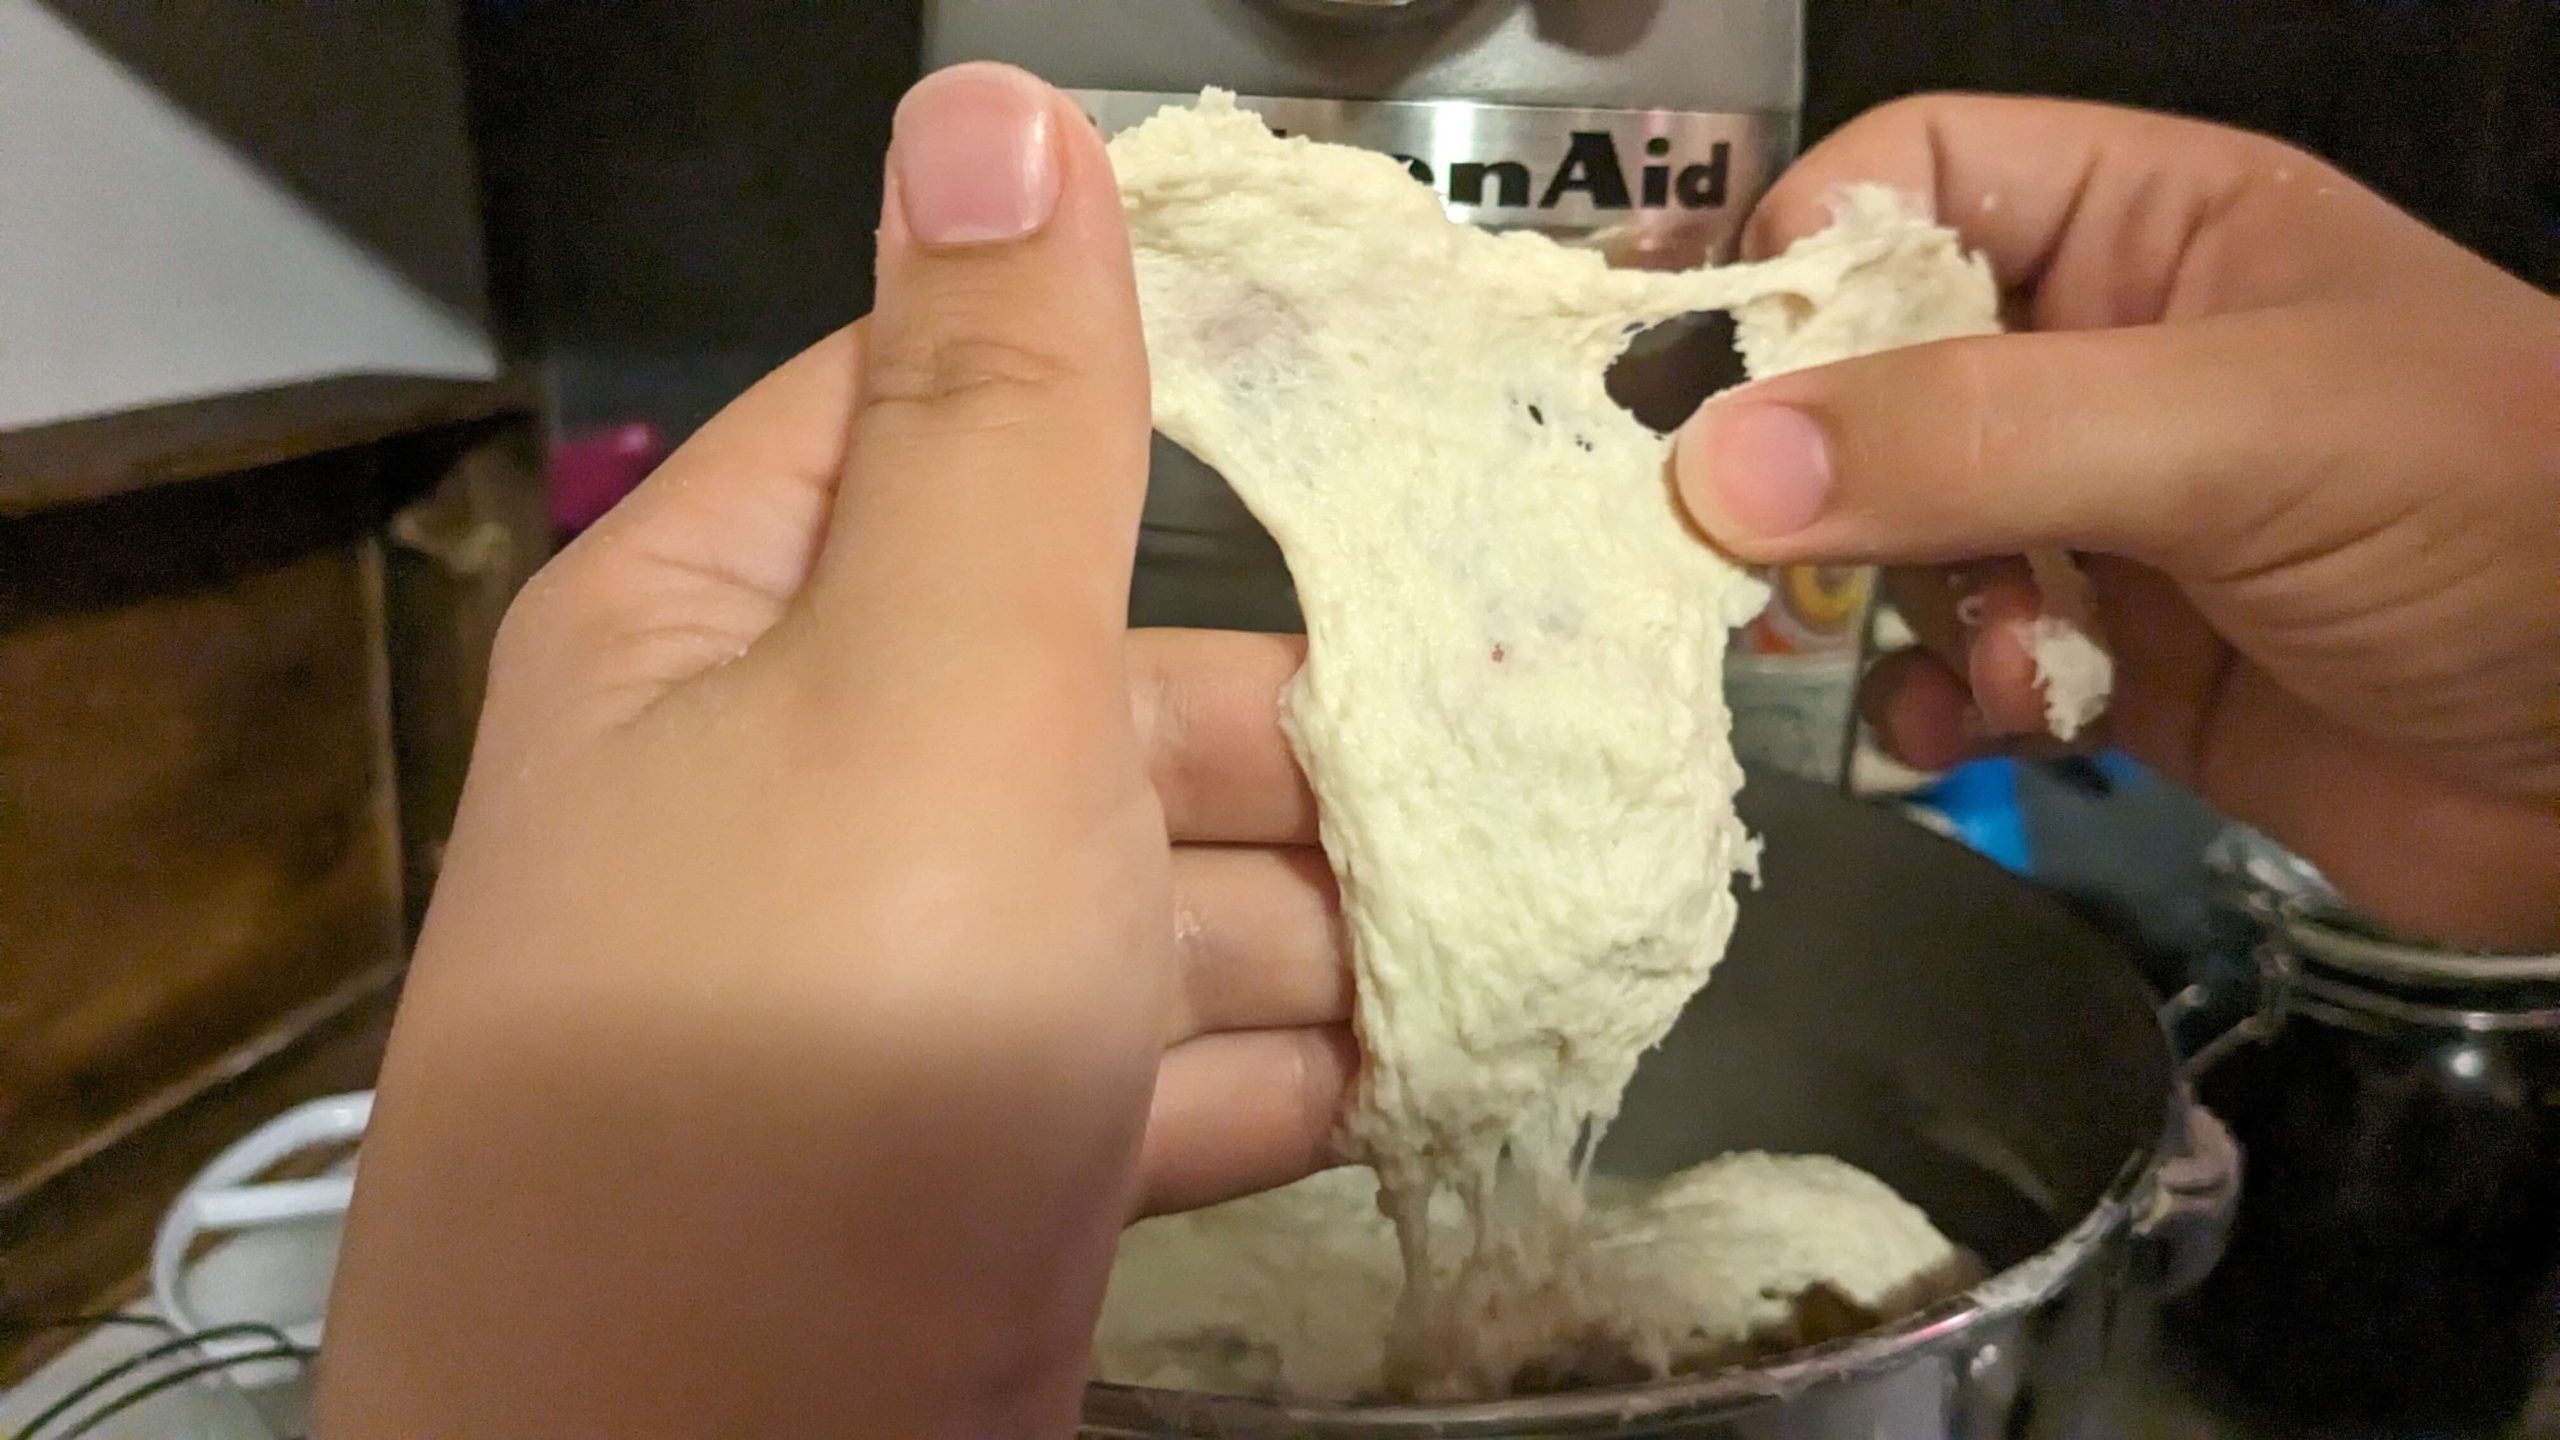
(973, 157)
(1764, 468)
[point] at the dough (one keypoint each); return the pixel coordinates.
(1512, 708)
(2076, 673)
(1285, 1295)
(1755, 1253)
(1290, 1295)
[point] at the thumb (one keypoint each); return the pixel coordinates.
(998, 454)
(2170, 444)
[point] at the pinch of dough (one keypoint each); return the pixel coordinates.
(1289, 1295)
(2074, 670)
(1512, 710)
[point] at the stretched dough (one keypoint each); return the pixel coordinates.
(1512, 708)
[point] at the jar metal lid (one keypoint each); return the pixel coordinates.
(2291, 898)
(2319, 960)
(2348, 945)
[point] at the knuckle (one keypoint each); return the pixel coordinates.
(531, 629)
(1936, 408)
(1149, 691)
(982, 378)
(535, 649)
(1319, 1069)
(568, 620)
(1973, 397)
(1954, 438)
(1912, 109)
(1161, 708)
(2272, 153)
(1916, 118)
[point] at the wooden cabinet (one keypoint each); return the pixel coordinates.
(241, 646)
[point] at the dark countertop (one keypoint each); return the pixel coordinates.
(2158, 1397)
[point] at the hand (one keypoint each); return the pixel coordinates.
(849, 926)
(2310, 449)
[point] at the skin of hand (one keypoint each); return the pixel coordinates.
(2307, 449)
(849, 925)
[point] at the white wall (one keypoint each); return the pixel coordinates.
(238, 195)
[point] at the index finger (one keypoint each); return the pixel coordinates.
(1207, 704)
(2090, 213)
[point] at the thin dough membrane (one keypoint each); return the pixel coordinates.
(1512, 708)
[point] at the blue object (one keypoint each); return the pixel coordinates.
(1980, 802)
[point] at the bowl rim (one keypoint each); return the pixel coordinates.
(1137, 1410)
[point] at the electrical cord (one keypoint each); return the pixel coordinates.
(280, 1346)
(174, 1379)
(38, 1325)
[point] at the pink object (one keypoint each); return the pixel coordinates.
(591, 471)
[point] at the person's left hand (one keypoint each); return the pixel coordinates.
(850, 926)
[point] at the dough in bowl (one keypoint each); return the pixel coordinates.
(1290, 1295)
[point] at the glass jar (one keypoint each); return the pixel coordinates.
(2395, 1266)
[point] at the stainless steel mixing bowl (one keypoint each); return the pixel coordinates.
(1897, 1001)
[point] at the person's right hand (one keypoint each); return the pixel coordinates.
(2308, 448)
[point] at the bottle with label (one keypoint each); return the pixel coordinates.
(1792, 675)
(1643, 129)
